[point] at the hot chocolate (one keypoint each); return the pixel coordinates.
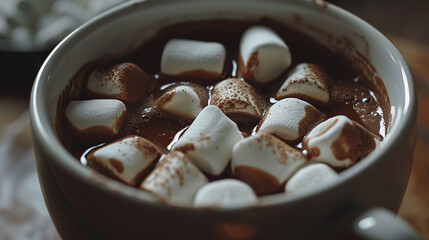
(254, 101)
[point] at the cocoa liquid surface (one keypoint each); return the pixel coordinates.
(351, 94)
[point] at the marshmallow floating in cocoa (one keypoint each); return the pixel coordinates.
(310, 177)
(193, 58)
(263, 55)
(184, 101)
(237, 99)
(97, 118)
(127, 159)
(225, 193)
(175, 180)
(209, 140)
(306, 81)
(264, 162)
(125, 81)
(339, 142)
(290, 119)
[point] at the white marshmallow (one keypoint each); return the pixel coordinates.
(308, 82)
(125, 81)
(33, 8)
(21, 37)
(70, 8)
(17, 18)
(175, 180)
(183, 101)
(209, 140)
(237, 99)
(339, 142)
(310, 177)
(97, 6)
(7, 6)
(290, 119)
(225, 193)
(264, 55)
(128, 159)
(4, 29)
(264, 162)
(102, 117)
(56, 31)
(193, 58)
(46, 20)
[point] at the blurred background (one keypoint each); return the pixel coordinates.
(29, 29)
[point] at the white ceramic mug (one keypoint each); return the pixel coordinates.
(87, 205)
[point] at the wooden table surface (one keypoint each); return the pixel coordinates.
(415, 206)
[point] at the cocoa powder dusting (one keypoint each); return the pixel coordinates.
(248, 72)
(166, 98)
(311, 118)
(133, 82)
(315, 151)
(261, 182)
(185, 148)
(326, 128)
(205, 138)
(277, 145)
(117, 165)
(349, 146)
(238, 100)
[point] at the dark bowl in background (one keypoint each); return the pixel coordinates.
(19, 67)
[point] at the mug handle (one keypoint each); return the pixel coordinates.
(380, 223)
(370, 224)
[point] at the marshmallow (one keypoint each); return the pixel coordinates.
(7, 6)
(97, 6)
(264, 162)
(185, 101)
(17, 18)
(225, 193)
(4, 29)
(126, 82)
(21, 37)
(53, 33)
(33, 8)
(308, 82)
(339, 142)
(193, 58)
(127, 159)
(310, 177)
(98, 117)
(237, 99)
(209, 140)
(175, 180)
(263, 55)
(70, 8)
(290, 119)
(46, 20)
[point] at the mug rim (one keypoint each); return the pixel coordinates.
(53, 147)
